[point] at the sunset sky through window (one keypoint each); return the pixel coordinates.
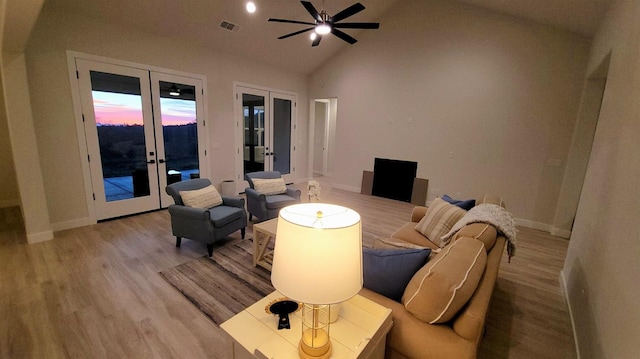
(125, 109)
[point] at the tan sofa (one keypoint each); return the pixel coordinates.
(460, 336)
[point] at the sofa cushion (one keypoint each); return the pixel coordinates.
(206, 197)
(394, 243)
(444, 285)
(269, 186)
(483, 232)
(387, 271)
(492, 199)
(279, 201)
(438, 221)
(408, 233)
(465, 204)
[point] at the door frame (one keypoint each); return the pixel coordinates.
(240, 182)
(105, 208)
(329, 135)
(77, 111)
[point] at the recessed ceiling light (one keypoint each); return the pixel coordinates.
(251, 7)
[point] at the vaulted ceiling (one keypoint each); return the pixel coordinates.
(198, 21)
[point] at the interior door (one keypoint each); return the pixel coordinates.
(116, 104)
(179, 130)
(266, 123)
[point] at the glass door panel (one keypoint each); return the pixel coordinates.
(282, 128)
(253, 112)
(179, 123)
(120, 126)
(179, 130)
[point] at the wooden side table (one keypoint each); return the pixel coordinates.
(360, 331)
(263, 233)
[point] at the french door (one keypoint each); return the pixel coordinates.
(266, 124)
(144, 130)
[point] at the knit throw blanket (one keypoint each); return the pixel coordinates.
(491, 214)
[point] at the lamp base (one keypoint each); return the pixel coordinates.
(307, 352)
(323, 351)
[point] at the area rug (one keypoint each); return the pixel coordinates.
(227, 283)
(223, 285)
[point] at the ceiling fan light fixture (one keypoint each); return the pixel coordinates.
(313, 36)
(323, 28)
(174, 91)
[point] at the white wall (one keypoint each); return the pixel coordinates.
(8, 186)
(602, 266)
(479, 99)
(55, 126)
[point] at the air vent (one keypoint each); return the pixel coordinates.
(229, 26)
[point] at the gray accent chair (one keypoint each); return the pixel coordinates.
(204, 225)
(267, 207)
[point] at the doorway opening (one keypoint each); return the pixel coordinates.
(580, 152)
(266, 124)
(323, 134)
(143, 129)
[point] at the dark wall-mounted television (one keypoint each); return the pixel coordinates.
(393, 179)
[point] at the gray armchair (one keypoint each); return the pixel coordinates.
(267, 207)
(204, 225)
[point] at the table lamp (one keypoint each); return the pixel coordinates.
(317, 261)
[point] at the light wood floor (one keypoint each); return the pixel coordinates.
(95, 292)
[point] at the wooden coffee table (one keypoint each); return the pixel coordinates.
(263, 234)
(360, 331)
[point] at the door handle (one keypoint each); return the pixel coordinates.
(151, 161)
(160, 161)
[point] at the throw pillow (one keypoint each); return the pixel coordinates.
(387, 271)
(443, 286)
(465, 204)
(269, 186)
(438, 221)
(206, 197)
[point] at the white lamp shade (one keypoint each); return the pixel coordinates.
(318, 260)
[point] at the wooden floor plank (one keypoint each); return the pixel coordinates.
(95, 291)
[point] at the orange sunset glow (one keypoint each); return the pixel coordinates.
(115, 109)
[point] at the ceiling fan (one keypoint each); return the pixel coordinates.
(324, 23)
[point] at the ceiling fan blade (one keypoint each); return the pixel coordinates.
(350, 11)
(316, 42)
(358, 25)
(343, 36)
(290, 21)
(295, 33)
(312, 10)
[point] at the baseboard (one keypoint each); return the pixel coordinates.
(521, 222)
(563, 287)
(75, 223)
(39, 237)
(534, 225)
(562, 233)
(9, 203)
(346, 188)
